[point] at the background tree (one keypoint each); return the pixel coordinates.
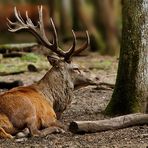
(106, 22)
(65, 18)
(131, 91)
(51, 5)
(80, 15)
(76, 13)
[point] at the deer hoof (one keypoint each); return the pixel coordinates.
(60, 130)
(20, 135)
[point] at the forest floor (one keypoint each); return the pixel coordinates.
(89, 104)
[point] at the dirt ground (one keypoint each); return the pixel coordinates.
(89, 104)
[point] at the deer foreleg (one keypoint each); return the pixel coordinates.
(50, 130)
(3, 134)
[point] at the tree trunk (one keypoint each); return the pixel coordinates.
(131, 90)
(79, 15)
(75, 14)
(65, 18)
(51, 5)
(52, 8)
(106, 22)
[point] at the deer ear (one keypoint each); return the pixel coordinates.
(53, 60)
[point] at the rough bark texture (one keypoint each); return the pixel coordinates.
(131, 91)
(108, 124)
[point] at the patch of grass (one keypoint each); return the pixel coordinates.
(2, 66)
(11, 68)
(31, 57)
(37, 60)
(104, 65)
(15, 65)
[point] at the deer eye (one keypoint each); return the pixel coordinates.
(76, 70)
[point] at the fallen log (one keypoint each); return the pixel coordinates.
(108, 124)
(25, 47)
(107, 84)
(104, 86)
(9, 85)
(12, 73)
(13, 54)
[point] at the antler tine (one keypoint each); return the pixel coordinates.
(10, 22)
(19, 14)
(55, 36)
(41, 23)
(54, 47)
(28, 21)
(18, 25)
(30, 27)
(72, 49)
(84, 46)
(16, 12)
(14, 24)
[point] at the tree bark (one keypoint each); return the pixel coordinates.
(106, 22)
(65, 19)
(108, 124)
(52, 10)
(75, 14)
(51, 5)
(131, 90)
(79, 15)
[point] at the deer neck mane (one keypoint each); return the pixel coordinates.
(57, 88)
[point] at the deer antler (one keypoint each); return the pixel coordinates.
(39, 33)
(84, 46)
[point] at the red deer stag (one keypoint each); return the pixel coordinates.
(36, 106)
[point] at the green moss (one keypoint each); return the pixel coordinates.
(104, 65)
(14, 65)
(11, 68)
(31, 57)
(96, 42)
(121, 106)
